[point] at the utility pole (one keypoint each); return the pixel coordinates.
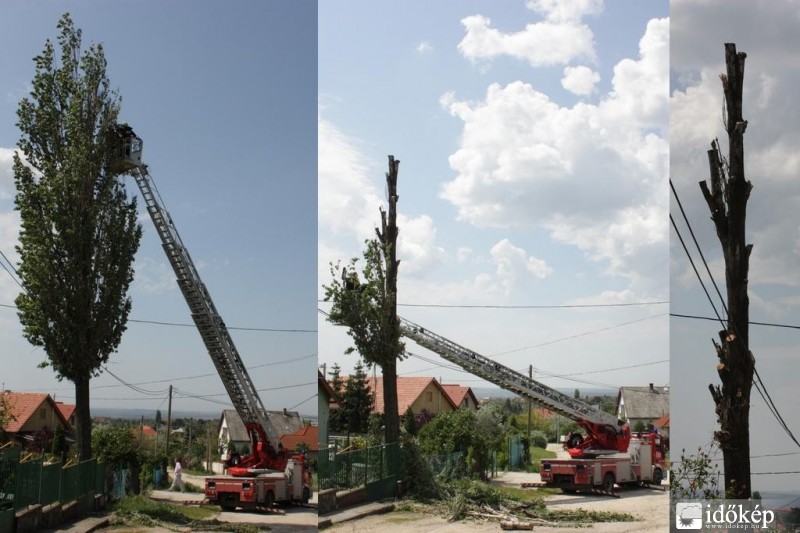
(530, 411)
(727, 201)
(169, 420)
(209, 466)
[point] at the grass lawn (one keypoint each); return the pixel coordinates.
(537, 454)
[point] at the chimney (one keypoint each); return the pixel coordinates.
(651, 388)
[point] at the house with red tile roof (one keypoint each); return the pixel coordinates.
(462, 397)
(32, 414)
(307, 434)
(423, 395)
(143, 431)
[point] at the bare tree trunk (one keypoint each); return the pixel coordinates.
(727, 201)
(388, 238)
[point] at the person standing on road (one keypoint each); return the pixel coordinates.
(178, 481)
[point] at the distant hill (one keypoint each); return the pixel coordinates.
(148, 414)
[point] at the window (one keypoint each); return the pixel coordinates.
(42, 414)
(430, 396)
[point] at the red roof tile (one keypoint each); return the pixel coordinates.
(24, 405)
(662, 422)
(66, 409)
(306, 434)
(457, 393)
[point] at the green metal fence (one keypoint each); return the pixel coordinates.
(31, 482)
(28, 482)
(9, 461)
(51, 483)
(376, 468)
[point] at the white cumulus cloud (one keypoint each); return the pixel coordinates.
(580, 80)
(594, 175)
(514, 264)
(558, 39)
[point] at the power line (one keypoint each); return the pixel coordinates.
(187, 325)
(295, 406)
(757, 382)
(577, 335)
(752, 323)
(283, 387)
(9, 271)
(232, 328)
(134, 387)
(532, 306)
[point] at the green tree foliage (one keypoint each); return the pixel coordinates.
(694, 476)
(539, 439)
(577, 394)
(116, 446)
(356, 401)
(59, 441)
(410, 422)
(6, 416)
(334, 422)
(79, 231)
(461, 431)
(119, 447)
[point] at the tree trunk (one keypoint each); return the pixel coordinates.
(83, 418)
(727, 201)
(388, 238)
(391, 416)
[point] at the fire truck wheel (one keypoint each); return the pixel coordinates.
(608, 482)
(270, 499)
(306, 494)
(657, 477)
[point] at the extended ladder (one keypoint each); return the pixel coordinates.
(216, 338)
(505, 377)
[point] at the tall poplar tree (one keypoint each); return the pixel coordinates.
(79, 232)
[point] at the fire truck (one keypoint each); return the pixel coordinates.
(606, 455)
(267, 475)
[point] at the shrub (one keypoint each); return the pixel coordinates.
(539, 439)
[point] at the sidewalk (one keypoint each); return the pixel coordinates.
(354, 513)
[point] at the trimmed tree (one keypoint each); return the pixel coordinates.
(79, 231)
(727, 200)
(367, 304)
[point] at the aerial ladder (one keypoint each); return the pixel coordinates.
(605, 434)
(218, 342)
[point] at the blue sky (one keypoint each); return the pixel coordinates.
(225, 101)
(767, 32)
(507, 197)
